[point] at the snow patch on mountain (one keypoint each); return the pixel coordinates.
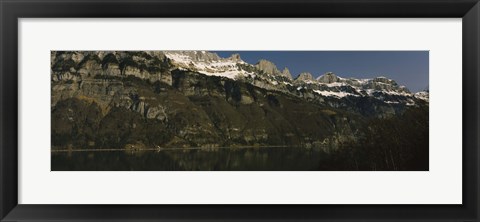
(392, 102)
(208, 63)
(335, 94)
(423, 95)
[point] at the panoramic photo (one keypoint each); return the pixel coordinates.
(239, 110)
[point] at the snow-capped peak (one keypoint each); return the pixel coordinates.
(382, 88)
(423, 95)
(268, 76)
(208, 63)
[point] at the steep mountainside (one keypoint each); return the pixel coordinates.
(128, 99)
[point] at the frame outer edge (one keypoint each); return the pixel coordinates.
(2, 214)
(471, 107)
(8, 109)
(477, 216)
(3, 208)
(476, 63)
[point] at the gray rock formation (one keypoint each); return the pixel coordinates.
(267, 67)
(385, 84)
(235, 57)
(286, 73)
(304, 76)
(328, 77)
(202, 56)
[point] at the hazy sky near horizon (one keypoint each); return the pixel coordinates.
(409, 68)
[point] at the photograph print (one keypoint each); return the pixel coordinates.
(239, 110)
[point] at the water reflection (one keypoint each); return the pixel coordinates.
(233, 159)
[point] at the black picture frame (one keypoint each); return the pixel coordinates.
(11, 11)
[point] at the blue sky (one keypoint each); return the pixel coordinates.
(409, 68)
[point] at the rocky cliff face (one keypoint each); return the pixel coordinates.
(328, 77)
(267, 67)
(304, 77)
(193, 98)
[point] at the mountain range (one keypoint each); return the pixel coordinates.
(265, 74)
(107, 99)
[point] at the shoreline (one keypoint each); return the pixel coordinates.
(164, 149)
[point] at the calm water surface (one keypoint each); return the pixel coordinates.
(240, 159)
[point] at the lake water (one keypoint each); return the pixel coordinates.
(221, 159)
